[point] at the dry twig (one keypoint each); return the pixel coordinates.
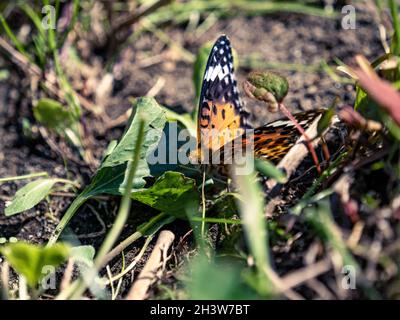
(152, 268)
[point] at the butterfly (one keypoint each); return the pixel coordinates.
(223, 120)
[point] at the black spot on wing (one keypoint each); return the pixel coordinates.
(214, 109)
(219, 83)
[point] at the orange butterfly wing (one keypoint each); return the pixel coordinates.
(273, 140)
(223, 119)
(221, 116)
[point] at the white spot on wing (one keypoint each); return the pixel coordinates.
(280, 123)
(208, 73)
(223, 73)
(215, 72)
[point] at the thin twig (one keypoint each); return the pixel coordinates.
(4, 280)
(148, 275)
(136, 16)
(302, 275)
(133, 263)
(66, 280)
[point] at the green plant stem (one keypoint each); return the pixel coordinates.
(326, 174)
(217, 220)
(81, 199)
(142, 230)
(133, 263)
(66, 181)
(121, 218)
(132, 238)
(255, 226)
(13, 38)
(311, 191)
(203, 204)
(26, 176)
(396, 27)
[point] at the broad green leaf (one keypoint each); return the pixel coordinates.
(154, 117)
(52, 114)
(171, 193)
(30, 195)
(367, 107)
(269, 170)
(111, 146)
(168, 160)
(110, 177)
(30, 259)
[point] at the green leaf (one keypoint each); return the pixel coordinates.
(324, 122)
(65, 121)
(29, 259)
(83, 253)
(83, 257)
(112, 174)
(155, 121)
(52, 114)
(30, 195)
(171, 194)
(371, 110)
(269, 170)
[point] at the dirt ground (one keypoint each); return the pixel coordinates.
(283, 38)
